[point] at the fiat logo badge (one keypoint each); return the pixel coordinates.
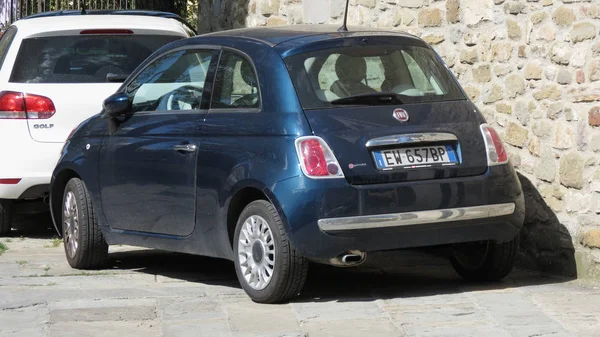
(401, 115)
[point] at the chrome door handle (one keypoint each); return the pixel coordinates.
(185, 148)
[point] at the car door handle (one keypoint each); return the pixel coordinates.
(185, 148)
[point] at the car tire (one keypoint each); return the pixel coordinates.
(5, 217)
(268, 268)
(85, 247)
(485, 261)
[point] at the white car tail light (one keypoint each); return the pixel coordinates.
(496, 153)
(316, 158)
(17, 105)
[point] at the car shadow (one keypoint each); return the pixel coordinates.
(33, 226)
(546, 245)
(393, 274)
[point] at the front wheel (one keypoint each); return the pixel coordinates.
(84, 243)
(485, 260)
(5, 216)
(267, 266)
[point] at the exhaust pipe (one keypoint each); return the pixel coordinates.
(350, 258)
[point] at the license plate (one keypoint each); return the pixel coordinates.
(415, 157)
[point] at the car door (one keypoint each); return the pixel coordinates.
(148, 164)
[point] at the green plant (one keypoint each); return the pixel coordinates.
(57, 242)
(21, 262)
(3, 248)
(8, 240)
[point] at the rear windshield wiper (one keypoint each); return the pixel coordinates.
(375, 98)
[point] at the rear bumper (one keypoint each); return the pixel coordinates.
(25, 159)
(325, 218)
(339, 225)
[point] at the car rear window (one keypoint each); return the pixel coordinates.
(414, 73)
(82, 59)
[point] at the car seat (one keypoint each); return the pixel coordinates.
(351, 71)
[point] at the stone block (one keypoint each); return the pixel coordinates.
(515, 85)
(564, 77)
(434, 39)
(563, 136)
(594, 70)
(563, 16)
(594, 116)
(538, 17)
(516, 135)
(583, 31)
(546, 167)
(571, 170)
(513, 29)
(551, 92)
(542, 128)
(276, 21)
(502, 51)
(452, 11)
(269, 7)
(533, 71)
(468, 56)
(482, 73)
(430, 17)
(495, 95)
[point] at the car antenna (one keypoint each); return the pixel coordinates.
(344, 28)
(82, 5)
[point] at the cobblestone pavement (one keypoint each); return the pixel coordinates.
(152, 293)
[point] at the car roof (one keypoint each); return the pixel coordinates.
(278, 35)
(48, 22)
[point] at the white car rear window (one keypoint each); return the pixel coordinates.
(82, 59)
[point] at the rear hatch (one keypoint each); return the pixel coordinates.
(388, 108)
(443, 140)
(70, 70)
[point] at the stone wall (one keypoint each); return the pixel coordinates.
(533, 68)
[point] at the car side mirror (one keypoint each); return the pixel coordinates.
(116, 105)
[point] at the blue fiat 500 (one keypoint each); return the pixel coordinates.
(276, 147)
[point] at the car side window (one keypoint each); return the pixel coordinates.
(171, 83)
(236, 84)
(5, 43)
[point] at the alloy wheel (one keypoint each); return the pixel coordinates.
(71, 224)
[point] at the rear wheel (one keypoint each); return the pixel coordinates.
(5, 216)
(484, 260)
(267, 266)
(84, 243)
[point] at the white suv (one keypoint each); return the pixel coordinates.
(56, 69)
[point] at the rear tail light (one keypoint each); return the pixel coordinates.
(496, 153)
(18, 105)
(316, 158)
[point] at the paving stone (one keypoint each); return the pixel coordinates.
(209, 327)
(103, 314)
(352, 328)
(331, 310)
(104, 329)
(190, 309)
(242, 315)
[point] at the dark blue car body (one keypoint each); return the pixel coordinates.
(146, 194)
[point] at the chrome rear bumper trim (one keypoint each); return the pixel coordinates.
(415, 218)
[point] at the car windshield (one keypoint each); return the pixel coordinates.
(371, 75)
(81, 58)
